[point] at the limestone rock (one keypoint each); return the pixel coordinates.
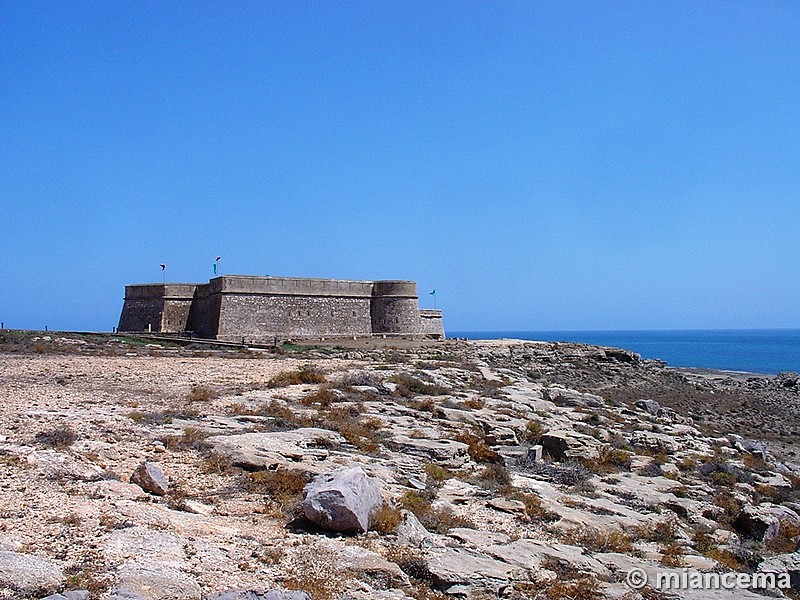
(650, 406)
(151, 478)
(343, 500)
(72, 595)
(787, 379)
(439, 450)
(763, 522)
(157, 581)
(269, 450)
(28, 574)
(459, 566)
(565, 445)
(563, 397)
(754, 447)
(367, 563)
(270, 595)
(529, 554)
(784, 563)
(412, 533)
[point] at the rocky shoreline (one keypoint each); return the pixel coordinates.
(497, 469)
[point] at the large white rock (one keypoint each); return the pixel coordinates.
(27, 574)
(343, 500)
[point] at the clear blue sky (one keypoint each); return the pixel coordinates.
(543, 165)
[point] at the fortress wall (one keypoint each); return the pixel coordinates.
(262, 317)
(295, 286)
(233, 307)
(204, 314)
(164, 307)
(431, 323)
(395, 307)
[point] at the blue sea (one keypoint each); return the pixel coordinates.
(767, 351)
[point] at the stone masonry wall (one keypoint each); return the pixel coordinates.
(431, 323)
(257, 317)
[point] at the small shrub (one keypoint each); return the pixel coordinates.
(58, 438)
(493, 476)
(436, 520)
(386, 520)
(437, 473)
(201, 393)
(409, 386)
(479, 451)
(308, 374)
(731, 508)
(284, 486)
(599, 540)
(323, 397)
(786, 539)
(475, 403)
(672, 555)
(663, 531)
(533, 431)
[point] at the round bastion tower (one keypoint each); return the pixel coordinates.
(395, 308)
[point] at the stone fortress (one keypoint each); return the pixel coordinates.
(265, 309)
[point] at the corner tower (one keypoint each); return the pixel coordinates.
(395, 308)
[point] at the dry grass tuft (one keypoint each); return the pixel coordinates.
(284, 486)
(433, 519)
(323, 398)
(609, 460)
(315, 570)
(386, 520)
(307, 374)
(58, 437)
(533, 431)
(786, 539)
(479, 450)
(599, 540)
(409, 386)
(672, 555)
(201, 393)
(493, 476)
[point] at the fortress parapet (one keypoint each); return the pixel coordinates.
(232, 307)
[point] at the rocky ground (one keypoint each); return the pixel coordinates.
(133, 469)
